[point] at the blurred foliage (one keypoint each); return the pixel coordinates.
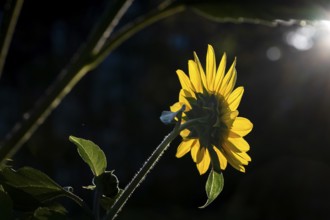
(118, 105)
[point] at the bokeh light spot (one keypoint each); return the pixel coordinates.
(273, 53)
(302, 38)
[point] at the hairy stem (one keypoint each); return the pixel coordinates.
(140, 176)
(96, 204)
(145, 169)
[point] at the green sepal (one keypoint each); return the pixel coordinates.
(213, 187)
(91, 154)
(168, 117)
(6, 204)
(107, 183)
(214, 160)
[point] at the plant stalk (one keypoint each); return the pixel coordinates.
(7, 28)
(79, 201)
(146, 168)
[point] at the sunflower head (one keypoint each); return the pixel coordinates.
(211, 100)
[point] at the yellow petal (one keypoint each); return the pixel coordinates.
(238, 167)
(201, 70)
(241, 126)
(233, 135)
(229, 81)
(184, 133)
(234, 162)
(204, 164)
(184, 147)
(240, 144)
(220, 72)
(200, 154)
(194, 151)
(210, 67)
(182, 98)
(239, 157)
(235, 98)
(184, 80)
(176, 107)
(194, 76)
(222, 158)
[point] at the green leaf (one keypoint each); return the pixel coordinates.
(213, 187)
(257, 12)
(168, 117)
(6, 204)
(32, 182)
(50, 213)
(91, 154)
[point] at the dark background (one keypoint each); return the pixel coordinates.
(118, 107)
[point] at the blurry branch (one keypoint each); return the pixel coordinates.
(62, 86)
(130, 29)
(12, 10)
(273, 14)
(83, 62)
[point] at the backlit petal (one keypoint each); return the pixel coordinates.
(201, 70)
(176, 107)
(234, 162)
(240, 157)
(184, 80)
(229, 81)
(241, 126)
(194, 151)
(184, 133)
(222, 158)
(220, 72)
(182, 98)
(195, 77)
(235, 98)
(210, 67)
(184, 147)
(240, 144)
(204, 164)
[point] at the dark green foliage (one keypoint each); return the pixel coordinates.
(6, 204)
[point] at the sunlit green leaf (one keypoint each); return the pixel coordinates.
(6, 204)
(213, 187)
(32, 182)
(257, 12)
(91, 154)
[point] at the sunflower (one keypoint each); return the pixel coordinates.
(217, 137)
